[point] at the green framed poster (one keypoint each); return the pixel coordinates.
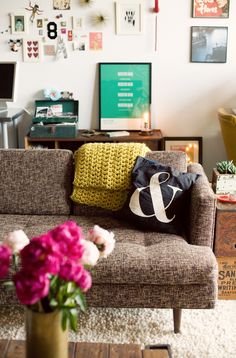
(124, 95)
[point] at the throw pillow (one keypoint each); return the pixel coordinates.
(159, 198)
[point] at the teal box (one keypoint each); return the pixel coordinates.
(55, 119)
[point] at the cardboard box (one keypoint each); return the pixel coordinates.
(227, 278)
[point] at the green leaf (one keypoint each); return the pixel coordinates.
(53, 303)
(65, 317)
(8, 284)
(73, 318)
(80, 300)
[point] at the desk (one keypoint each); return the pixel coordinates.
(8, 116)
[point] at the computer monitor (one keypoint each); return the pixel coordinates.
(8, 75)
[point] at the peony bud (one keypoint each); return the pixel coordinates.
(16, 240)
(103, 239)
(91, 253)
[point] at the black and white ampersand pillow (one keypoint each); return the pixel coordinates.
(159, 199)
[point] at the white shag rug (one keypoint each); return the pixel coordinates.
(204, 333)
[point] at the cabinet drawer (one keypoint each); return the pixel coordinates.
(225, 233)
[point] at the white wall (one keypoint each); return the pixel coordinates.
(185, 96)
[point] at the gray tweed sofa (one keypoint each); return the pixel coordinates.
(146, 269)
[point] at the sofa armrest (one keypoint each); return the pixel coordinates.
(202, 209)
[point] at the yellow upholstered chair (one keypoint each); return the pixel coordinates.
(228, 128)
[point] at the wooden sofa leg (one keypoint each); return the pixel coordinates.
(177, 319)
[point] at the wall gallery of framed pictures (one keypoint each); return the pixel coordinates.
(209, 43)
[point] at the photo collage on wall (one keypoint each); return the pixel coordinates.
(209, 43)
(37, 34)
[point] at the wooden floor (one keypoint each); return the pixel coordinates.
(16, 349)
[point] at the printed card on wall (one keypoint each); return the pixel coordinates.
(49, 50)
(95, 40)
(32, 50)
(80, 42)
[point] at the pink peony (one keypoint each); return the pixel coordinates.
(68, 236)
(5, 256)
(30, 288)
(41, 255)
(16, 240)
(103, 239)
(71, 271)
(91, 253)
(85, 281)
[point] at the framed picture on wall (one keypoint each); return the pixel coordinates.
(211, 8)
(124, 95)
(129, 17)
(192, 146)
(61, 4)
(32, 49)
(209, 44)
(19, 23)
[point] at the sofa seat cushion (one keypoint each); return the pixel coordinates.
(150, 258)
(139, 257)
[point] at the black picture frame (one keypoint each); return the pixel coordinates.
(192, 146)
(209, 44)
(124, 94)
(210, 10)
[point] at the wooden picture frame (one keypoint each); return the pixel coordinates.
(192, 146)
(210, 9)
(19, 23)
(124, 95)
(209, 44)
(129, 17)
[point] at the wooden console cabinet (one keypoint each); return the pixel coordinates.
(154, 142)
(225, 249)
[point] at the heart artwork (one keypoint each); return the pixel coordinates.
(32, 50)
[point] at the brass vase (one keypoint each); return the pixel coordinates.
(44, 335)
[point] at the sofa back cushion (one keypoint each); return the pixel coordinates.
(177, 160)
(35, 181)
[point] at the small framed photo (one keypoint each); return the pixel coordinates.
(19, 23)
(61, 4)
(192, 146)
(129, 17)
(39, 23)
(209, 44)
(210, 8)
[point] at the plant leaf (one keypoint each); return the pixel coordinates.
(73, 318)
(64, 318)
(80, 300)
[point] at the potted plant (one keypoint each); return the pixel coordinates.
(51, 281)
(224, 177)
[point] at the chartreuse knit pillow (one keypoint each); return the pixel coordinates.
(103, 173)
